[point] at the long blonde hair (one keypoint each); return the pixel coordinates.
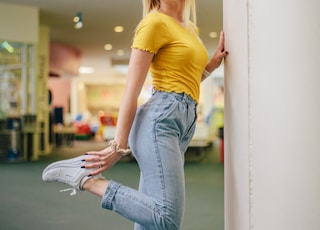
(189, 10)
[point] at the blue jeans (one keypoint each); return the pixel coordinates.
(161, 132)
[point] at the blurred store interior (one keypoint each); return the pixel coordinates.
(57, 88)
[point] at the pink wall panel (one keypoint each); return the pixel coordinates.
(64, 59)
(60, 89)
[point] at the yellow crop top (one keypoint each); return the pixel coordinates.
(179, 55)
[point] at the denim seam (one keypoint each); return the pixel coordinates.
(156, 149)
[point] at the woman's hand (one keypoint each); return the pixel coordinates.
(218, 55)
(102, 160)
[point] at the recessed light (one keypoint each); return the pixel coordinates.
(213, 35)
(118, 29)
(86, 70)
(120, 52)
(107, 47)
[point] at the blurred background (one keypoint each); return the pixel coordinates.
(63, 68)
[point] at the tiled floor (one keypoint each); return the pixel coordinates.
(28, 203)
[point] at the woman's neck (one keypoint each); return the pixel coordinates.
(174, 9)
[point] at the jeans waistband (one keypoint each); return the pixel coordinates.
(183, 97)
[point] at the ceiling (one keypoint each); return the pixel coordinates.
(99, 19)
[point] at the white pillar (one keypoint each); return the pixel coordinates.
(272, 112)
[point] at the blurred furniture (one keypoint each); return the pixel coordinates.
(63, 135)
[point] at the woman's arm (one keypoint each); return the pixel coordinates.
(216, 59)
(138, 68)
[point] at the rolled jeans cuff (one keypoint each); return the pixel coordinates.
(109, 195)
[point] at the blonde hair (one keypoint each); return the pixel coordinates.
(189, 10)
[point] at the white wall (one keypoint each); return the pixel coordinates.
(272, 111)
(19, 23)
(236, 117)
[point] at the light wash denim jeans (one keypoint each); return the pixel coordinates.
(161, 132)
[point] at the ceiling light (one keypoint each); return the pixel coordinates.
(120, 52)
(213, 35)
(107, 47)
(7, 46)
(78, 25)
(118, 29)
(86, 70)
(78, 20)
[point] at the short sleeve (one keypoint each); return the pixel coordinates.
(151, 34)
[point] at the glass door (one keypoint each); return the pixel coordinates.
(16, 79)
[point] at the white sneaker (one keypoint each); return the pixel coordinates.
(69, 172)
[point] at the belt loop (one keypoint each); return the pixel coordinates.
(154, 91)
(185, 98)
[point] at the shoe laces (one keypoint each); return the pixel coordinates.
(74, 191)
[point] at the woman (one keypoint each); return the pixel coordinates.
(166, 43)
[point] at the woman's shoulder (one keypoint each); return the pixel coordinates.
(155, 17)
(154, 21)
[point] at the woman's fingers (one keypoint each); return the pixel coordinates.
(221, 42)
(96, 164)
(101, 160)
